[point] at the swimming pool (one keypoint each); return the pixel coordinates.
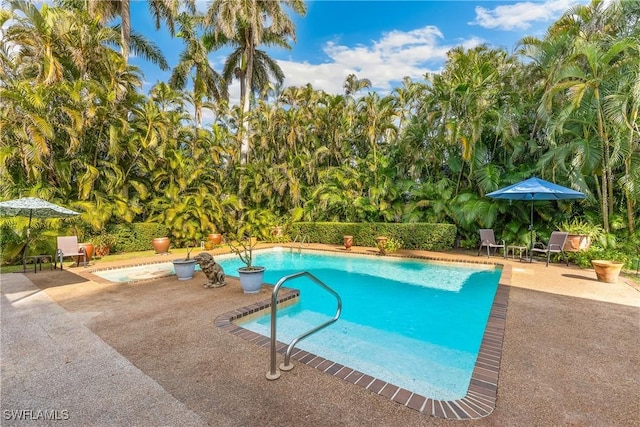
(412, 323)
(415, 324)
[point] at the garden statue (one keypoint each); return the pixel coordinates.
(211, 269)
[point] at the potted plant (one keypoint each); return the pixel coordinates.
(215, 238)
(381, 242)
(103, 243)
(348, 242)
(161, 245)
(581, 234)
(88, 250)
(251, 276)
(390, 245)
(185, 267)
(607, 271)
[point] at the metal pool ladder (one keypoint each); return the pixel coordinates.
(274, 373)
(304, 237)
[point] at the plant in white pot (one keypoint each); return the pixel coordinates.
(251, 276)
(185, 267)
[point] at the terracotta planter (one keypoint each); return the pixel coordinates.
(88, 249)
(348, 242)
(277, 231)
(102, 251)
(161, 245)
(215, 238)
(381, 243)
(577, 242)
(607, 271)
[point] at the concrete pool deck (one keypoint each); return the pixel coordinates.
(148, 353)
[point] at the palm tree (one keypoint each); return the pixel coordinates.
(353, 85)
(585, 78)
(250, 20)
(36, 32)
(162, 10)
(265, 69)
(194, 63)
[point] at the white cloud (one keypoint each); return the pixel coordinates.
(396, 55)
(520, 16)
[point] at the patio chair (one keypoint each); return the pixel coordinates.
(68, 247)
(488, 240)
(555, 246)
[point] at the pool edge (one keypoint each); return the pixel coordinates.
(481, 397)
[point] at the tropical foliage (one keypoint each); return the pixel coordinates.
(76, 129)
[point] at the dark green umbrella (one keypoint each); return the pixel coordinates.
(33, 208)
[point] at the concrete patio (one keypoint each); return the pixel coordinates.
(90, 352)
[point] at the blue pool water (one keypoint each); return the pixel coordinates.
(415, 324)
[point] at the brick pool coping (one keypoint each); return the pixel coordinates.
(481, 396)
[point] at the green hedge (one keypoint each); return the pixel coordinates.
(137, 236)
(431, 237)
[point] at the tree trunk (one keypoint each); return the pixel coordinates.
(125, 28)
(604, 208)
(630, 202)
(607, 179)
(246, 101)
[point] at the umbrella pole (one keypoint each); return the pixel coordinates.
(26, 243)
(531, 230)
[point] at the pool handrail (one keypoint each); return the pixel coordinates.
(304, 237)
(273, 373)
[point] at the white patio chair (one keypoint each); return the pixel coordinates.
(68, 247)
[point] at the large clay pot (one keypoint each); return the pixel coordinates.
(577, 242)
(382, 242)
(215, 238)
(88, 249)
(161, 245)
(277, 231)
(607, 271)
(103, 251)
(348, 242)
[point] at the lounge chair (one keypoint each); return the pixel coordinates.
(488, 240)
(68, 247)
(555, 246)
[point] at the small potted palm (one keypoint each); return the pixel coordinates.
(103, 243)
(251, 276)
(185, 267)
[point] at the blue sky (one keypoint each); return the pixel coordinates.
(379, 40)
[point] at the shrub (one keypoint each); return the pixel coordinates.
(137, 236)
(609, 248)
(577, 226)
(392, 245)
(426, 236)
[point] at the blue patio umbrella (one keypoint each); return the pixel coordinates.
(535, 189)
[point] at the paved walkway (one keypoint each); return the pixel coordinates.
(54, 369)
